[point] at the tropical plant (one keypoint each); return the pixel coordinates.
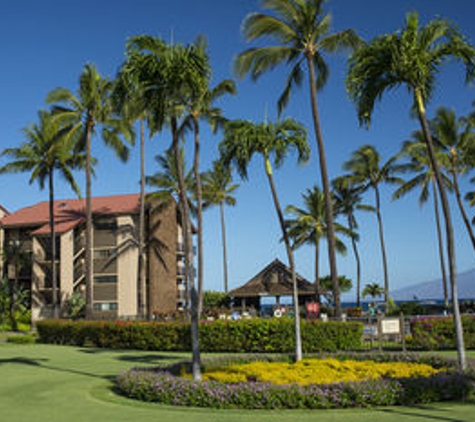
(326, 287)
(171, 73)
(89, 109)
(129, 99)
(413, 57)
(301, 30)
(368, 172)
(218, 189)
(455, 137)
(200, 106)
(273, 141)
(347, 201)
(308, 225)
(374, 290)
(15, 254)
(419, 165)
(47, 149)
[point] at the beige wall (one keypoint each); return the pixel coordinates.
(127, 267)
(66, 267)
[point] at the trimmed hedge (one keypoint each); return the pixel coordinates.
(165, 386)
(438, 333)
(244, 336)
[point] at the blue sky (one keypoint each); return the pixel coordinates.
(47, 43)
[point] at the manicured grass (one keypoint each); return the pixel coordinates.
(61, 383)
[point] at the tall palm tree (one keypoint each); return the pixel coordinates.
(413, 57)
(47, 149)
(86, 111)
(201, 107)
(273, 141)
(368, 172)
(171, 73)
(301, 31)
(129, 99)
(456, 138)
(218, 189)
(419, 165)
(347, 201)
(308, 225)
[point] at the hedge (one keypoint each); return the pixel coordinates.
(438, 333)
(244, 336)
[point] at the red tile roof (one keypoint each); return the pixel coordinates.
(4, 210)
(70, 212)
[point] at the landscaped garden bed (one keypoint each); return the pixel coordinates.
(263, 382)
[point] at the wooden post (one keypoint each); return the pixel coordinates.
(403, 332)
(380, 332)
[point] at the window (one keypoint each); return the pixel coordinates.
(107, 306)
(105, 279)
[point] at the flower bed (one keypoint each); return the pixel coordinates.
(166, 386)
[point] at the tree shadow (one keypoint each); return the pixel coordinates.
(424, 416)
(24, 361)
(149, 359)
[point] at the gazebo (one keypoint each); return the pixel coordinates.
(275, 280)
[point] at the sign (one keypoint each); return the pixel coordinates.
(391, 326)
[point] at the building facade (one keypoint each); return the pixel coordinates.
(115, 255)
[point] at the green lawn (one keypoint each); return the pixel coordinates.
(60, 383)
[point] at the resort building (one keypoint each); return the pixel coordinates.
(115, 255)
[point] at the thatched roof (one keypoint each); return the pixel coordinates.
(273, 280)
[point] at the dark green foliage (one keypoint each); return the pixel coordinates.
(245, 336)
(21, 339)
(429, 333)
(213, 300)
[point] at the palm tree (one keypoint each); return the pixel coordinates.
(218, 189)
(413, 57)
(367, 172)
(374, 290)
(419, 165)
(273, 141)
(129, 98)
(14, 254)
(165, 181)
(307, 225)
(456, 139)
(201, 106)
(47, 149)
(326, 287)
(301, 31)
(89, 109)
(171, 74)
(347, 201)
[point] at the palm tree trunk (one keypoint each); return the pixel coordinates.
(462, 208)
(142, 301)
(225, 253)
(326, 189)
(383, 249)
(195, 346)
(54, 287)
(462, 360)
(89, 269)
(441, 246)
(317, 268)
(199, 201)
(358, 262)
(290, 255)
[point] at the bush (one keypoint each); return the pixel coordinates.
(164, 387)
(244, 336)
(21, 339)
(438, 333)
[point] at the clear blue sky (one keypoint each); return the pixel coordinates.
(46, 44)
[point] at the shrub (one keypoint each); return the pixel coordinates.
(244, 336)
(21, 339)
(438, 333)
(164, 387)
